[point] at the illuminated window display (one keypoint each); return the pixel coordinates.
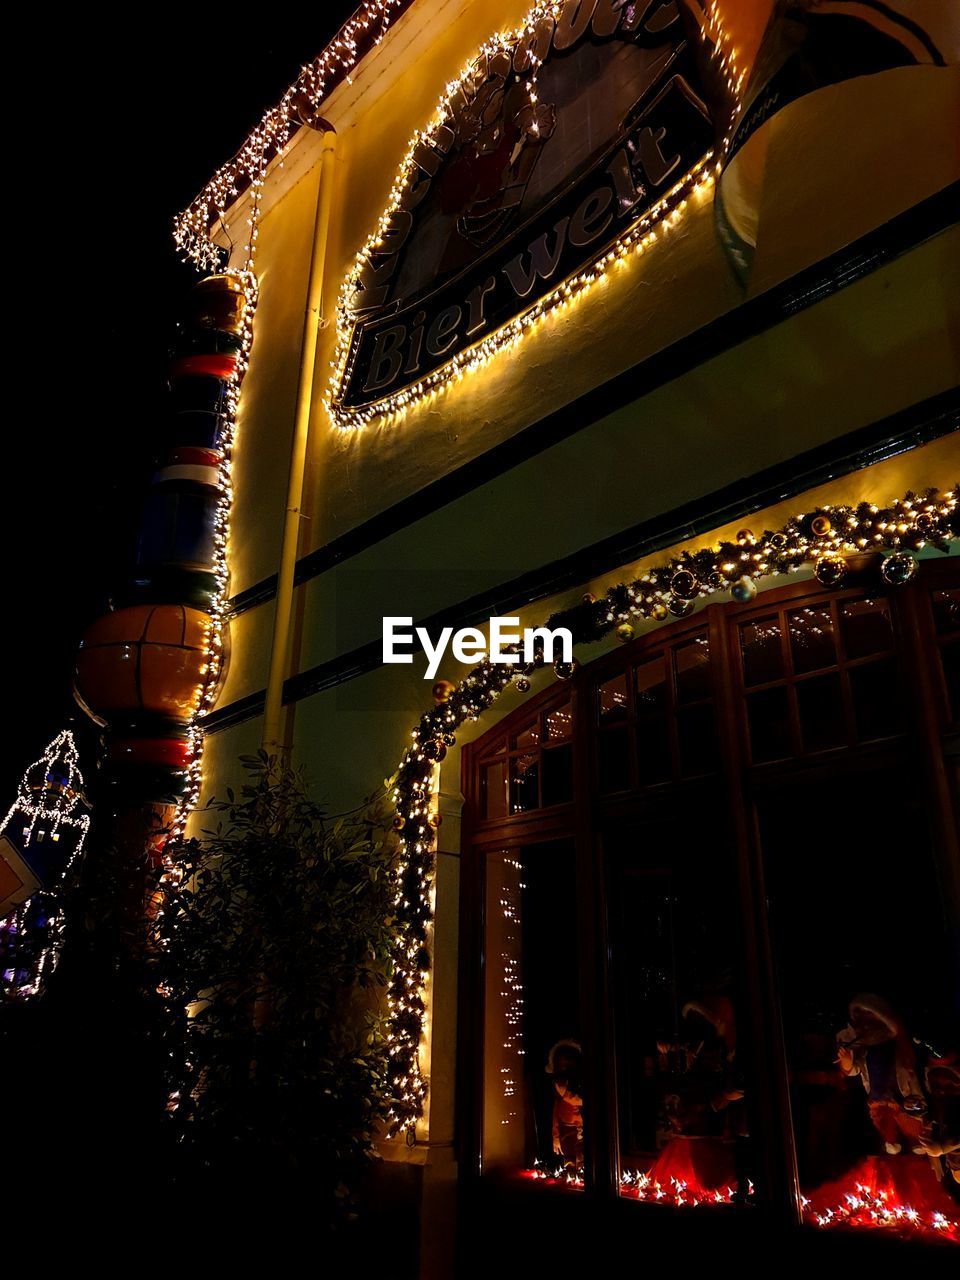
(753, 736)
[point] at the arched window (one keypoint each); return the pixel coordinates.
(710, 887)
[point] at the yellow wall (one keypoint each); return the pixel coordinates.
(877, 346)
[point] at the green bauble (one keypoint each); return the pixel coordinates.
(744, 590)
(898, 569)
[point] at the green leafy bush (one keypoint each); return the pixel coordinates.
(277, 940)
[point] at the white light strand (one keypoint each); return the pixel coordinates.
(29, 818)
(193, 227)
(214, 630)
(665, 214)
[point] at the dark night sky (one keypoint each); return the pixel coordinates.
(130, 123)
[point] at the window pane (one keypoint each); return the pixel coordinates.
(653, 750)
(493, 782)
(866, 627)
(532, 1090)
(557, 768)
(946, 611)
(861, 1000)
(614, 756)
(769, 718)
(524, 782)
(877, 699)
(613, 700)
(691, 664)
(527, 739)
(950, 655)
(698, 740)
(762, 651)
(683, 1119)
(651, 686)
(811, 639)
(559, 723)
(820, 704)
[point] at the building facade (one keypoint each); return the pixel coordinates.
(649, 328)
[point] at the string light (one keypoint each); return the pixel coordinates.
(908, 524)
(31, 935)
(193, 227)
(214, 630)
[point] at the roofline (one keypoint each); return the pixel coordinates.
(299, 106)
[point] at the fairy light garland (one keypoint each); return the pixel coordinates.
(39, 922)
(823, 537)
(193, 227)
(206, 692)
(868, 1207)
(862, 1206)
(666, 214)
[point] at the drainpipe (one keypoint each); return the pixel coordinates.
(272, 739)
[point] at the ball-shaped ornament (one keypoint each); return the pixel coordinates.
(830, 570)
(684, 585)
(898, 569)
(145, 660)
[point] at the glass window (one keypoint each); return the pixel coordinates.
(866, 627)
(691, 664)
(946, 611)
(811, 639)
(527, 740)
(532, 1057)
(853, 899)
(683, 1118)
(559, 724)
(651, 687)
(820, 706)
(557, 775)
(769, 720)
(493, 783)
(613, 700)
(696, 734)
(613, 755)
(864, 988)
(950, 657)
(877, 699)
(524, 782)
(762, 650)
(652, 733)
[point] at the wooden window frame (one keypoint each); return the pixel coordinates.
(589, 814)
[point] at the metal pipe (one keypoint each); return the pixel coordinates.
(272, 738)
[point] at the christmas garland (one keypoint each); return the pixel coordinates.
(825, 537)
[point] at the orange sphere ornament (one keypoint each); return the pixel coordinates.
(144, 660)
(219, 302)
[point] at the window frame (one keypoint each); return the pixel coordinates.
(590, 817)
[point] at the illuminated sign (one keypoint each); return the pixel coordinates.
(553, 145)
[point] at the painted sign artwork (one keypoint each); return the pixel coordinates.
(548, 151)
